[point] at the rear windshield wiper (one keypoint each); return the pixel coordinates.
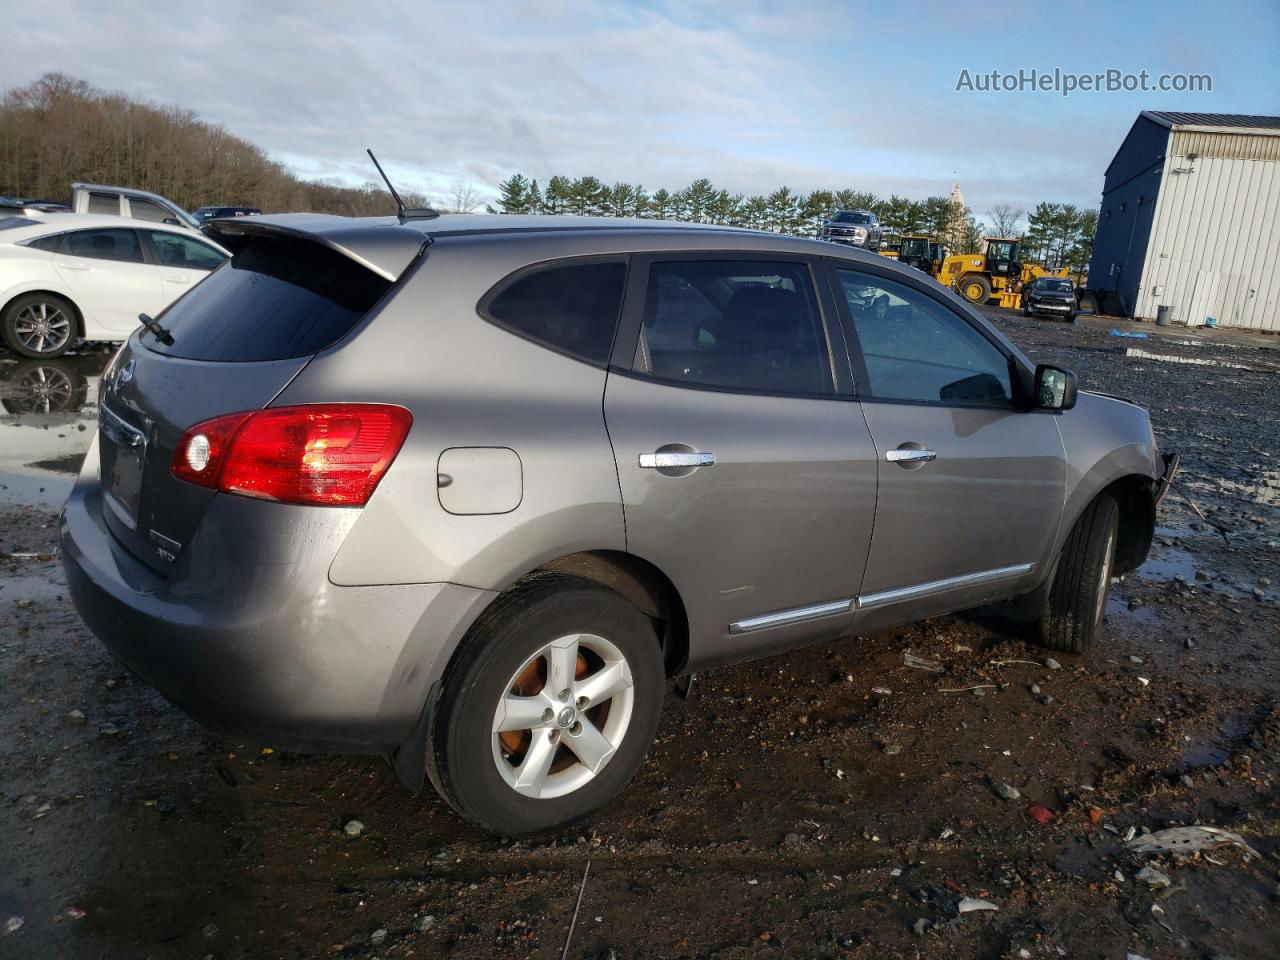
(160, 333)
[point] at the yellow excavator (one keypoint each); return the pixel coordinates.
(998, 272)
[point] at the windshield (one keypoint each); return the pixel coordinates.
(1058, 286)
(1001, 249)
(915, 247)
(849, 216)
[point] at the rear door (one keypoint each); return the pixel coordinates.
(747, 472)
(971, 484)
(110, 276)
(237, 341)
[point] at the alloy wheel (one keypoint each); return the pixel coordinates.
(562, 716)
(42, 327)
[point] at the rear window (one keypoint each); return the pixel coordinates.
(276, 298)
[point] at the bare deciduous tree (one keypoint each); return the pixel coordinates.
(1004, 219)
(463, 197)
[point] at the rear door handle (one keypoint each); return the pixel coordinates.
(659, 461)
(911, 456)
(177, 278)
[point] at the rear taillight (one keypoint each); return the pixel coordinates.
(329, 454)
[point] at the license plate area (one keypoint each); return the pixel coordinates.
(123, 452)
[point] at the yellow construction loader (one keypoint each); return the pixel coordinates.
(998, 273)
(923, 253)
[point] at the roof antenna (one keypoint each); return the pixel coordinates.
(402, 212)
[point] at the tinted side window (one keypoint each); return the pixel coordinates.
(745, 325)
(108, 203)
(105, 245)
(276, 298)
(175, 250)
(49, 244)
(149, 210)
(573, 308)
(916, 348)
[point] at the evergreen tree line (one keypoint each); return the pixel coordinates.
(1057, 233)
(58, 130)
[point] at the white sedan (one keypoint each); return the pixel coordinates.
(88, 277)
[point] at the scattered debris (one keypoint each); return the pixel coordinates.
(378, 936)
(1005, 791)
(883, 691)
(210, 930)
(1189, 840)
(918, 663)
(75, 913)
(976, 686)
(13, 924)
(77, 717)
(1137, 660)
(1153, 877)
(424, 923)
(1052, 664)
(353, 828)
(576, 907)
(1041, 814)
(970, 904)
(1128, 334)
(891, 749)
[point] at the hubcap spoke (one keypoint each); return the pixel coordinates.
(589, 745)
(522, 713)
(604, 684)
(532, 772)
(562, 664)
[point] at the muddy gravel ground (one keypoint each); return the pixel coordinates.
(832, 802)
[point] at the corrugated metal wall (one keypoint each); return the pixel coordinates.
(1215, 242)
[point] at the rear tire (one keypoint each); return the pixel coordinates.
(39, 325)
(1078, 597)
(504, 678)
(975, 288)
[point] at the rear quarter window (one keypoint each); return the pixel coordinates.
(571, 308)
(276, 298)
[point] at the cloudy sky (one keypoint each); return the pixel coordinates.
(751, 94)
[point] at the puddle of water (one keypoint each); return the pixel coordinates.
(1118, 612)
(48, 413)
(1217, 746)
(30, 585)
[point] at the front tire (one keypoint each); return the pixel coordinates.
(1078, 597)
(975, 288)
(38, 325)
(549, 707)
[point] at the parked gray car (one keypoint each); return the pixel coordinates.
(466, 491)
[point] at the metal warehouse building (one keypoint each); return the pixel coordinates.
(1190, 219)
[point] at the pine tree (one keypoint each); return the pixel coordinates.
(556, 199)
(660, 205)
(535, 198)
(513, 195)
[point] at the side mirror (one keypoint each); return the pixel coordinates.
(1055, 388)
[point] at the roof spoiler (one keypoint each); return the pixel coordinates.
(386, 249)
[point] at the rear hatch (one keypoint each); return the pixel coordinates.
(230, 345)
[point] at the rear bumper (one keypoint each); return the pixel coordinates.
(251, 638)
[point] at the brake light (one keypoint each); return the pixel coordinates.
(330, 454)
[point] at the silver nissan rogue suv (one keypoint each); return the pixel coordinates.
(466, 491)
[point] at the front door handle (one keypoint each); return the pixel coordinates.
(177, 278)
(911, 456)
(664, 461)
(72, 266)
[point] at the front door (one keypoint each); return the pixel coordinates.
(747, 472)
(971, 485)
